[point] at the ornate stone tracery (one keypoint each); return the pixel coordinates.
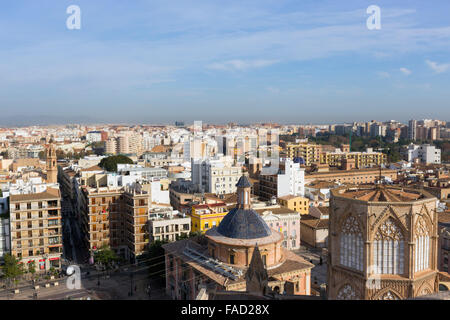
(388, 248)
(389, 231)
(421, 228)
(351, 244)
(389, 296)
(351, 225)
(346, 293)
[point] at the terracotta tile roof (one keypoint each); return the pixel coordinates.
(314, 222)
(50, 193)
(93, 168)
(444, 217)
(159, 148)
(383, 194)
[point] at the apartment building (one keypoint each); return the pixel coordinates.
(364, 159)
(207, 216)
(168, 224)
(351, 176)
(36, 230)
(425, 153)
(217, 176)
(289, 181)
(116, 217)
(310, 153)
(295, 203)
(284, 221)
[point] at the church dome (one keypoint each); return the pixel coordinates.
(243, 224)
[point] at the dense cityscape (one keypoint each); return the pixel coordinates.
(237, 211)
(205, 159)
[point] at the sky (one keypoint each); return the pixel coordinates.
(285, 61)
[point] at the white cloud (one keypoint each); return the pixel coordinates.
(241, 64)
(405, 71)
(438, 68)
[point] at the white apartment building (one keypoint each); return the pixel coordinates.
(292, 181)
(217, 175)
(94, 136)
(425, 153)
(164, 223)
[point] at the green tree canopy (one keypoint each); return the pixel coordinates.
(110, 163)
(105, 256)
(12, 269)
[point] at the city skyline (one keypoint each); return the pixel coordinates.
(248, 62)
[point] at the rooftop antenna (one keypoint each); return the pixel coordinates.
(380, 149)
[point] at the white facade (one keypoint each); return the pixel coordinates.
(292, 181)
(217, 175)
(94, 136)
(426, 153)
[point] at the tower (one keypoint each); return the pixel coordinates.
(52, 170)
(382, 243)
(243, 193)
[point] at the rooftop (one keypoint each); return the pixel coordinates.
(382, 193)
(50, 193)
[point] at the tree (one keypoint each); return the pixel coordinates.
(105, 256)
(32, 268)
(12, 269)
(110, 163)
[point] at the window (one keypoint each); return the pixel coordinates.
(232, 258)
(422, 248)
(351, 244)
(264, 259)
(388, 249)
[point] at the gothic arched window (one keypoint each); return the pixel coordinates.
(346, 293)
(351, 245)
(389, 249)
(422, 250)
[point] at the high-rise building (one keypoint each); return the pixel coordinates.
(412, 129)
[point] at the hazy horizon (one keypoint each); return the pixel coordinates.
(245, 61)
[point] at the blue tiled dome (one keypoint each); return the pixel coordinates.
(243, 224)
